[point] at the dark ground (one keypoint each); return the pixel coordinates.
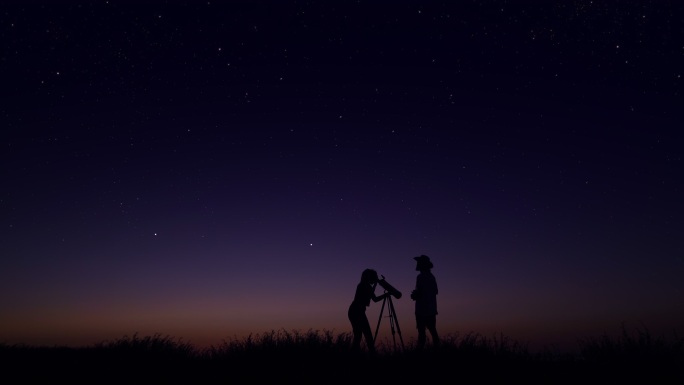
(315, 358)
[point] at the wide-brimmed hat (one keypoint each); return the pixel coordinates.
(424, 261)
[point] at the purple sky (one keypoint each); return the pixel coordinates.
(209, 171)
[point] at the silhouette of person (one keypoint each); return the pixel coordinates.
(425, 295)
(365, 291)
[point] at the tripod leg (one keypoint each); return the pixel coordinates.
(390, 310)
(382, 309)
(396, 322)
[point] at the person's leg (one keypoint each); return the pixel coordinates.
(356, 342)
(356, 330)
(432, 327)
(368, 334)
(420, 324)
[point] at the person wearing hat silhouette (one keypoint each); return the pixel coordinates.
(425, 295)
(365, 291)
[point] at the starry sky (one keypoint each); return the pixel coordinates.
(207, 169)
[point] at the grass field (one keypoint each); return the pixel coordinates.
(321, 357)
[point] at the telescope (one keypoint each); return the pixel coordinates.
(389, 288)
(394, 323)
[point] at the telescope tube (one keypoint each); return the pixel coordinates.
(389, 288)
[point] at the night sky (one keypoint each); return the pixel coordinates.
(207, 169)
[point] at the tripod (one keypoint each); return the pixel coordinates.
(394, 323)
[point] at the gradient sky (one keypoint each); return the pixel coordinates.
(213, 169)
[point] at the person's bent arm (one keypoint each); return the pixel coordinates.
(380, 297)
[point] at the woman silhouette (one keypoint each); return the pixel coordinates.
(365, 291)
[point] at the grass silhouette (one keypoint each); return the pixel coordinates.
(323, 357)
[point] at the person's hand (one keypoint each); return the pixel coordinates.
(414, 295)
